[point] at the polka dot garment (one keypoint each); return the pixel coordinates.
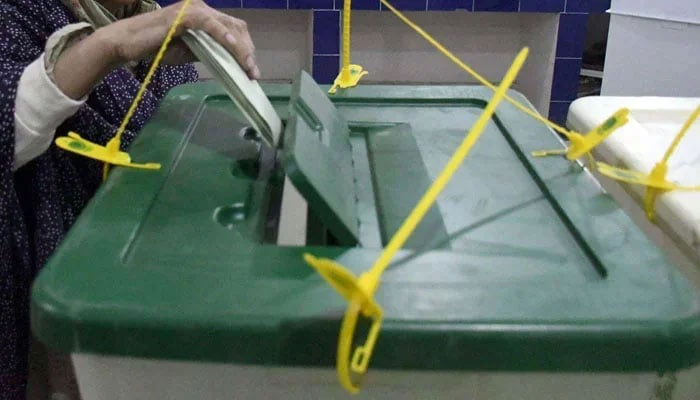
(40, 201)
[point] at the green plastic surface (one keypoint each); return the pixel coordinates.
(317, 157)
(541, 269)
(400, 180)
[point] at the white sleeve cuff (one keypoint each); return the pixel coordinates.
(40, 108)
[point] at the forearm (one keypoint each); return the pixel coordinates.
(84, 64)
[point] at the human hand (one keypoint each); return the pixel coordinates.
(137, 37)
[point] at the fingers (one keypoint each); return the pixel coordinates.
(230, 32)
(239, 38)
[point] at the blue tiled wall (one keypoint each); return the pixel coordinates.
(327, 18)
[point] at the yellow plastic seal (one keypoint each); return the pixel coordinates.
(76, 144)
(580, 145)
(350, 74)
(359, 292)
(655, 182)
(110, 154)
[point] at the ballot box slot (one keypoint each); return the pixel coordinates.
(235, 186)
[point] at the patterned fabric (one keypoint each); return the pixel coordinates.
(93, 15)
(92, 12)
(41, 200)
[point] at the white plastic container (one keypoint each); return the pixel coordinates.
(673, 10)
(116, 378)
(653, 49)
(639, 145)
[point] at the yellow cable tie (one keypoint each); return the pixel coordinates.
(114, 144)
(655, 182)
(359, 292)
(676, 141)
(472, 72)
(350, 74)
(580, 145)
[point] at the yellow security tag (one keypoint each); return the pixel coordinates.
(350, 74)
(637, 178)
(359, 292)
(76, 144)
(655, 182)
(580, 145)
